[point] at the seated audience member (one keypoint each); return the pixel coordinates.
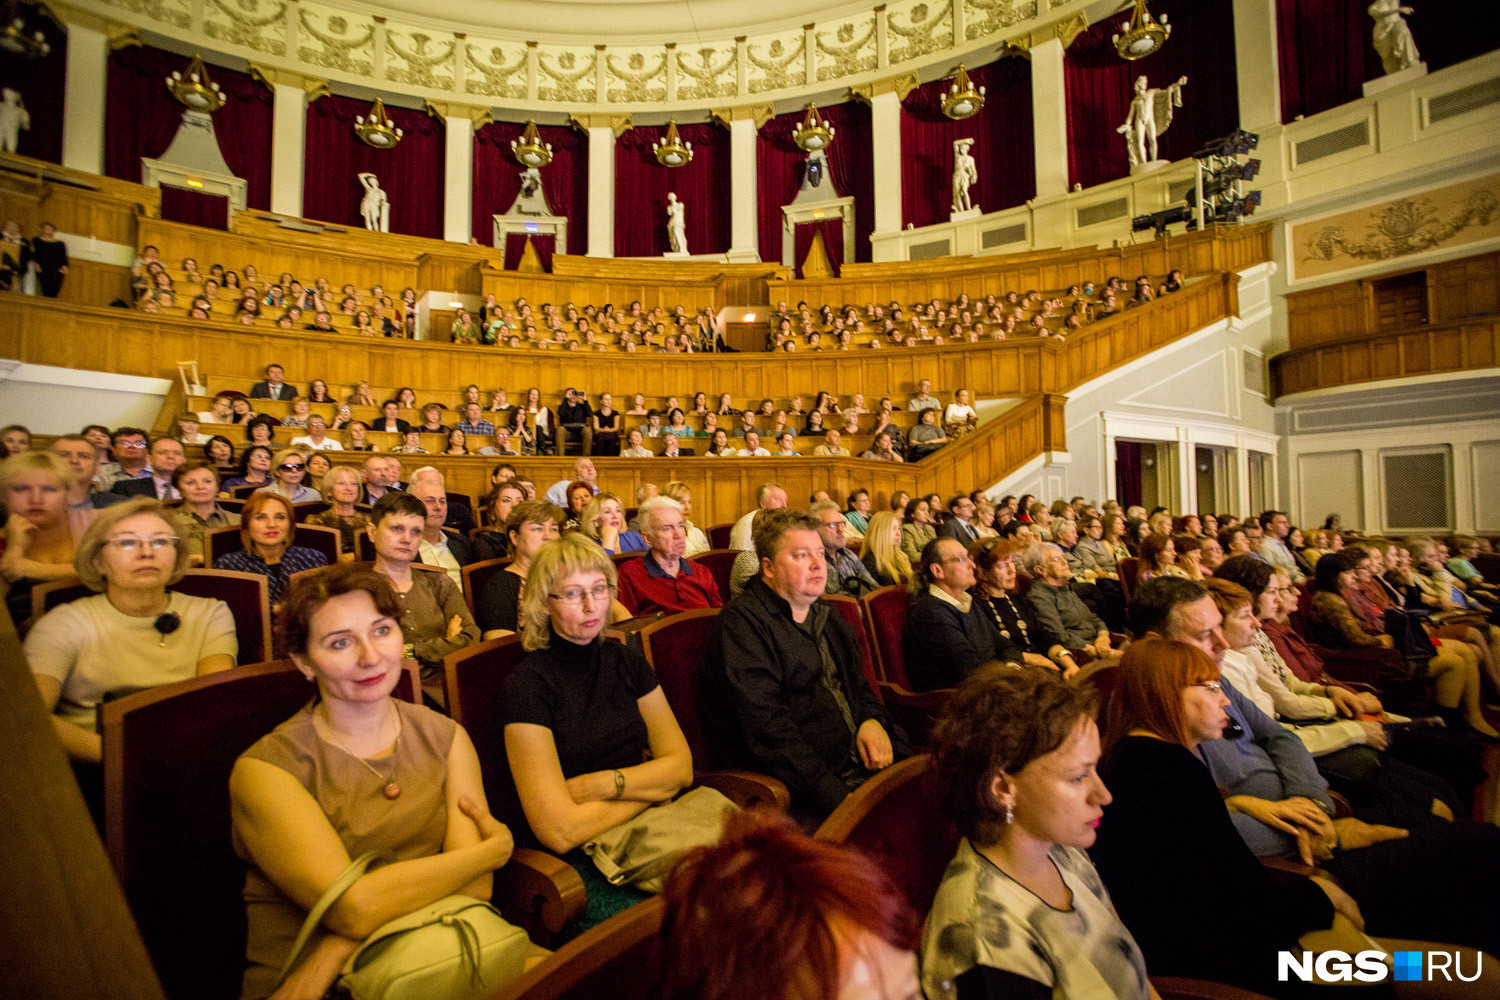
(1102, 544)
(924, 399)
(603, 520)
(1158, 557)
(118, 642)
(165, 456)
(460, 515)
(300, 410)
(1169, 705)
(881, 551)
(1021, 911)
(770, 496)
(16, 439)
(783, 680)
(959, 525)
(254, 470)
(388, 422)
(1332, 622)
(528, 526)
(440, 546)
(341, 487)
(917, 529)
(663, 581)
(1403, 880)
(199, 511)
(636, 446)
(996, 594)
(948, 635)
(274, 386)
(267, 529)
(493, 542)
(697, 541)
(925, 438)
(846, 573)
(41, 532)
(436, 620)
(832, 448)
(959, 417)
(83, 459)
(858, 514)
(1273, 547)
(289, 467)
(584, 471)
(1060, 609)
(774, 885)
(589, 736)
(219, 451)
(316, 438)
(353, 770)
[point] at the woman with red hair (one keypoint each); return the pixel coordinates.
(769, 912)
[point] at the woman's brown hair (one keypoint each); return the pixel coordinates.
(253, 503)
(1153, 675)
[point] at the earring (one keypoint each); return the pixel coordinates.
(1010, 814)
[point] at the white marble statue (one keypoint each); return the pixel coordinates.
(965, 174)
(1150, 115)
(374, 206)
(1392, 37)
(531, 200)
(13, 118)
(676, 223)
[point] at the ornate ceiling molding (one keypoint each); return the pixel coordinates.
(758, 113)
(900, 85)
(314, 87)
(618, 124)
(450, 109)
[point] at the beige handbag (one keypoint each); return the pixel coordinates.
(642, 851)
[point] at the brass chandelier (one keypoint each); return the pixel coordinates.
(1142, 34)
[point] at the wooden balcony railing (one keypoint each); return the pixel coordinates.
(1427, 350)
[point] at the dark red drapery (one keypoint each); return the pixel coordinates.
(40, 83)
(142, 118)
(1128, 472)
(1098, 86)
(1002, 148)
(833, 240)
(779, 174)
(196, 208)
(545, 244)
(411, 174)
(1326, 54)
(497, 179)
(641, 186)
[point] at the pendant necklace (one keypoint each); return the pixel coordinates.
(391, 790)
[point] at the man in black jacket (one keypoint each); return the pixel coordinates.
(274, 387)
(576, 416)
(783, 686)
(948, 634)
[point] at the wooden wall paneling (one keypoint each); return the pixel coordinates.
(90, 283)
(1453, 347)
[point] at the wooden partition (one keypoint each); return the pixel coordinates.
(33, 192)
(1429, 350)
(130, 343)
(1219, 248)
(582, 290)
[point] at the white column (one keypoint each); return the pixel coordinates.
(601, 191)
(83, 99)
(744, 243)
(885, 131)
(288, 139)
(1049, 115)
(458, 179)
(1257, 64)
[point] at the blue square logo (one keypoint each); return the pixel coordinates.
(1408, 966)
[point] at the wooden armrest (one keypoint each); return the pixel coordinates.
(1181, 988)
(1295, 868)
(540, 893)
(747, 789)
(1341, 807)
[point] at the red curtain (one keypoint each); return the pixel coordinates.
(1326, 54)
(641, 186)
(779, 163)
(1003, 145)
(1098, 86)
(40, 83)
(1128, 473)
(545, 244)
(196, 208)
(142, 118)
(833, 240)
(497, 179)
(411, 174)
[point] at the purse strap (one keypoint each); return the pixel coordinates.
(340, 885)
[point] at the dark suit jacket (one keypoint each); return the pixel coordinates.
(956, 529)
(262, 390)
(378, 424)
(459, 546)
(136, 487)
(364, 493)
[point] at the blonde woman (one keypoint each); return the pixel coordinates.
(881, 552)
(341, 486)
(697, 541)
(41, 531)
(603, 520)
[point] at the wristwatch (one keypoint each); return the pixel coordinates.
(619, 783)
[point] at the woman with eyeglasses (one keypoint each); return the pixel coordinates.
(255, 468)
(133, 633)
(589, 736)
(531, 525)
(267, 530)
(289, 468)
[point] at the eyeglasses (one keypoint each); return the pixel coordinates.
(130, 444)
(1213, 686)
(573, 596)
(289, 467)
(131, 544)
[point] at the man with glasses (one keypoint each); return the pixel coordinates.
(317, 437)
(663, 581)
(165, 456)
(129, 446)
(948, 634)
(847, 575)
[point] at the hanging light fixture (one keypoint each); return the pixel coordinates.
(376, 129)
(1142, 34)
(194, 90)
(812, 133)
(671, 151)
(530, 150)
(21, 32)
(962, 99)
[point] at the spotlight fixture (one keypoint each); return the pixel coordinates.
(671, 151)
(812, 133)
(1142, 34)
(1217, 194)
(194, 90)
(375, 129)
(21, 32)
(530, 150)
(962, 99)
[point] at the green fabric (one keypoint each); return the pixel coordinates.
(605, 899)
